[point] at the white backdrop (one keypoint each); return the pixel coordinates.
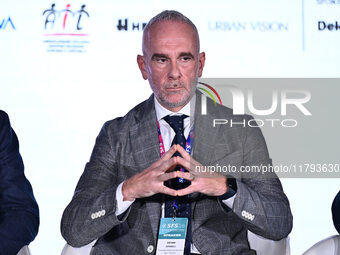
(59, 83)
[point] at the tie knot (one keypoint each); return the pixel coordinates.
(176, 122)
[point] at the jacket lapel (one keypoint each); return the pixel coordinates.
(209, 142)
(144, 135)
(145, 150)
(207, 138)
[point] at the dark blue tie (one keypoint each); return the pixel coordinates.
(183, 204)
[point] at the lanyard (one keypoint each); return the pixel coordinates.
(162, 152)
(187, 143)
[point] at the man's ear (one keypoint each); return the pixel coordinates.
(201, 61)
(142, 66)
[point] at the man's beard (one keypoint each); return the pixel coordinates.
(178, 84)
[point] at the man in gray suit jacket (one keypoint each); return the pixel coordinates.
(120, 197)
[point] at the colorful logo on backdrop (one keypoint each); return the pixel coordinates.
(7, 24)
(65, 28)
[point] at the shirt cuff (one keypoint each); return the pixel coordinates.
(122, 206)
(228, 198)
(230, 201)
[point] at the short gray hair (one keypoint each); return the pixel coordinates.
(170, 15)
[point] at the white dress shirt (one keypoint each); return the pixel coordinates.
(168, 135)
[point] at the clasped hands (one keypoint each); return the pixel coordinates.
(151, 180)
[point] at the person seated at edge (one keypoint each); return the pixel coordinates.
(336, 212)
(128, 186)
(19, 212)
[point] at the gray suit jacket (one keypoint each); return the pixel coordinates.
(127, 145)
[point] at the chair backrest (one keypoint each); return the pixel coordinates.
(328, 246)
(84, 250)
(24, 251)
(264, 246)
(261, 245)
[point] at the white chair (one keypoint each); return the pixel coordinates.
(84, 250)
(264, 246)
(24, 251)
(261, 245)
(328, 246)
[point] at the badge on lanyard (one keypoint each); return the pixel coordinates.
(171, 237)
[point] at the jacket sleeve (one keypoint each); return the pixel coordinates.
(260, 201)
(92, 211)
(19, 213)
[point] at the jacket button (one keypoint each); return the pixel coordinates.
(150, 248)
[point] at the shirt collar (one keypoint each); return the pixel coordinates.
(161, 111)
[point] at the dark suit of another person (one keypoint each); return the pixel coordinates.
(336, 212)
(19, 212)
